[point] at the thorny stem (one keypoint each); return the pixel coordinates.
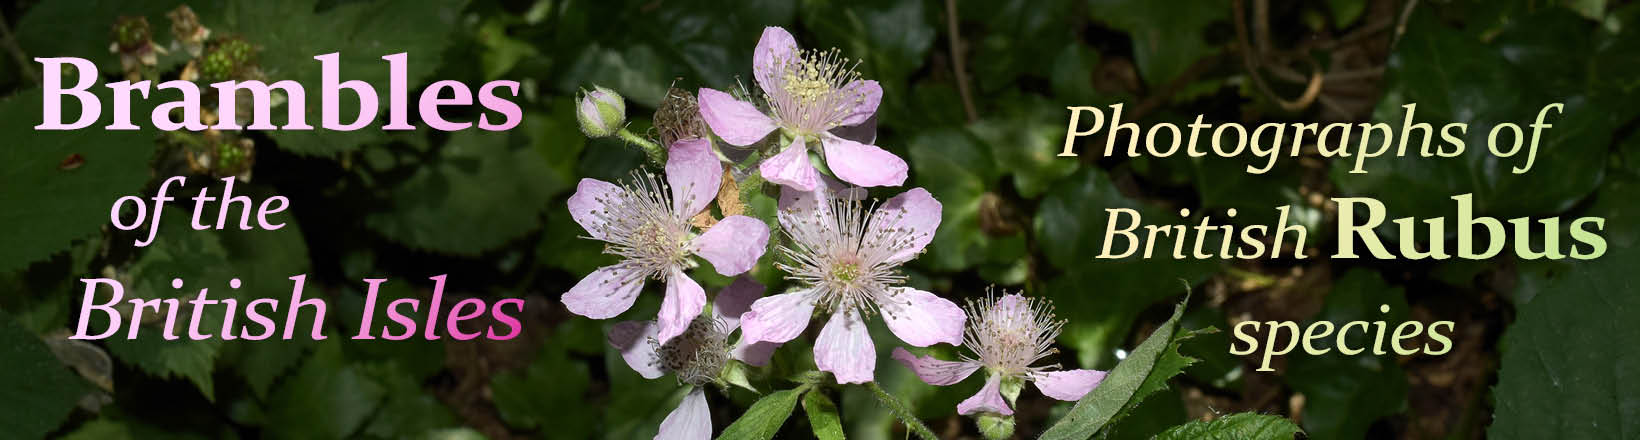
(904, 414)
(655, 152)
(17, 51)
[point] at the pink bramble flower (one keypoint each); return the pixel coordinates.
(646, 223)
(810, 95)
(696, 357)
(1006, 335)
(845, 259)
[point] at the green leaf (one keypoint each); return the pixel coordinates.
(361, 32)
(201, 261)
(1567, 367)
(1615, 203)
(764, 418)
(1144, 371)
(263, 260)
(549, 394)
(957, 171)
(1345, 12)
(262, 364)
(184, 358)
(328, 398)
(1453, 78)
(1346, 394)
(1146, 419)
(1167, 36)
(408, 410)
(1070, 223)
(36, 391)
(1024, 138)
(113, 429)
(100, 429)
(1011, 44)
(822, 416)
(1239, 426)
(483, 190)
(64, 204)
(84, 30)
(890, 39)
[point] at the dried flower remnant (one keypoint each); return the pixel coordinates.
(189, 34)
(845, 258)
(678, 117)
(1007, 337)
(134, 43)
(809, 94)
(645, 221)
(697, 357)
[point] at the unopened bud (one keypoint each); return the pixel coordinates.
(995, 426)
(602, 112)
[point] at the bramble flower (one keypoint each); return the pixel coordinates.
(809, 94)
(697, 357)
(646, 222)
(845, 259)
(1006, 335)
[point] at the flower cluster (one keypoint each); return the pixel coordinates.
(205, 58)
(811, 134)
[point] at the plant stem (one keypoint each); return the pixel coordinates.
(655, 152)
(17, 52)
(904, 414)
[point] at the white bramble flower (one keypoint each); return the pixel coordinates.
(1007, 337)
(845, 259)
(646, 223)
(818, 99)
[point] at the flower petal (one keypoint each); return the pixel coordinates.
(737, 122)
(777, 318)
(736, 300)
(632, 339)
(911, 217)
(692, 420)
(922, 319)
(870, 94)
(587, 205)
(988, 399)
(604, 293)
(694, 174)
(798, 202)
(791, 167)
(934, 371)
(1069, 385)
(683, 302)
(734, 244)
(774, 49)
(844, 349)
(864, 132)
(861, 164)
(754, 353)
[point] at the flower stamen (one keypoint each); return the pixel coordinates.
(638, 224)
(810, 93)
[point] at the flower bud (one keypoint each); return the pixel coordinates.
(995, 426)
(602, 112)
